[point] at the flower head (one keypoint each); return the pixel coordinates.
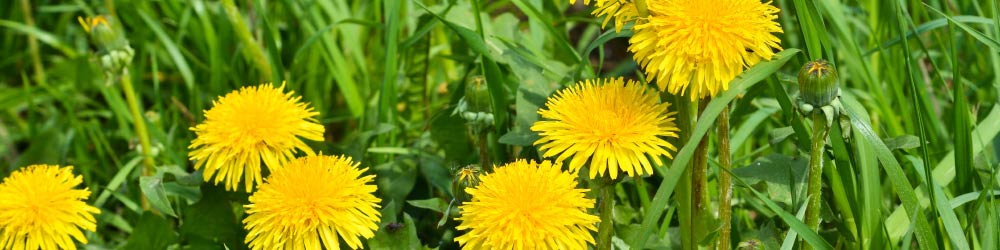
(622, 11)
(246, 127)
(40, 208)
(311, 202)
(527, 205)
(698, 47)
(614, 124)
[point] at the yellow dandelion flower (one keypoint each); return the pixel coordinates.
(698, 47)
(622, 11)
(311, 202)
(614, 124)
(40, 208)
(246, 127)
(527, 205)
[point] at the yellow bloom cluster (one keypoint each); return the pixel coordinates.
(527, 205)
(40, 207)
(309, 202)
(617, 125)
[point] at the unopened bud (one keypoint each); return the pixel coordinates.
(477, 95)
(818, 83)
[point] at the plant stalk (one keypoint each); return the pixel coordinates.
(699, 185)
(606, 199)
(725, 181)
(140, 128)
(483, 145)
(250, 46)
(815, 173)
(36, 60)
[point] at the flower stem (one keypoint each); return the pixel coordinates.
(725, 181)
(140, 128)
(250, 47)
(606, 229)
(482, 144)
(815, 172)
(699, 183)
(36, 60)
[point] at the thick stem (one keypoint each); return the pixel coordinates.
(140, 128)
(482, 144)
(699, 184)
(815, 172)
(606, 229)
(686, 115)
(725, 181)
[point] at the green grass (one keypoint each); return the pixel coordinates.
(912, 164)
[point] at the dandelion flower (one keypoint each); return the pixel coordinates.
(527, 205)
(91, 23)
(622, 11)
(246, 127)
(311, 202)
(698, 47)
(613, 124)
(40, 208)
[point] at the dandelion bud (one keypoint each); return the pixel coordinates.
(478, 95)
(818, 83)
(104, 36)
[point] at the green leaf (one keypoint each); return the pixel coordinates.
(781, 173)
(975, 33)
(520, 137)
(152, 189)
(811, 237)
(897, 178)
(396, 235)
(434, 204)
(153, 232)
(746, 80)
(902, 142)
(211, 222)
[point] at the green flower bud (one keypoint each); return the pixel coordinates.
(477, 95)
(818, 83)
(101, 32)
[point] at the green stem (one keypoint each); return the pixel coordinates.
(250, 46)
(725, 181)
(606, 229)
(815, 172)
(840, 197)
(685, 121)
(140, 128)
(482, 144)
(699, 184)
(36, 60)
